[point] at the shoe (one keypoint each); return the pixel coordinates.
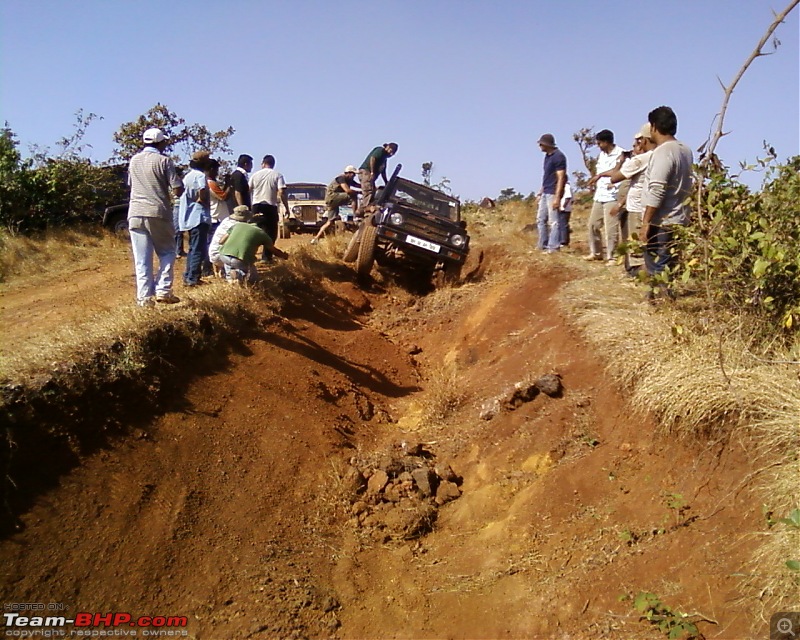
(313, 241)
(591, 257)
(611, 263)
(168, 298)
(148, 303)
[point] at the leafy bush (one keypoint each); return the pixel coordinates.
(45, 190)
(744, 247)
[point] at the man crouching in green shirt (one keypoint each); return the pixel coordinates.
(239, 246)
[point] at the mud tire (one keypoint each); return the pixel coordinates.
(452, 273)
(366, 250)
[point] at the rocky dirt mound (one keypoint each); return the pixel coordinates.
(396, 495)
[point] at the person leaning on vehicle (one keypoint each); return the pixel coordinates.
(239, 246)
(373, 166)
(153, 179)
(340, 191)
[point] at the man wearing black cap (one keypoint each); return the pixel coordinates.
(553, 179)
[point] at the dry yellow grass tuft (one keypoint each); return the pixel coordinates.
(52, 250)
(120, 339)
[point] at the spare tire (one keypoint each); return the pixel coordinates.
(351, 252)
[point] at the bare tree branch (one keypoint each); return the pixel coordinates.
(708, 157)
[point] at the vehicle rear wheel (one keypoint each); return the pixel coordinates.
(351, 252)
(119, 224)
(366, 249)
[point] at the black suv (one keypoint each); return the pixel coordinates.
(413, 227)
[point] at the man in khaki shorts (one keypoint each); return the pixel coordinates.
(340, 191)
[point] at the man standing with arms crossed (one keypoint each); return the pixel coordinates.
(154, 182)
(553, 180)
(668, 182)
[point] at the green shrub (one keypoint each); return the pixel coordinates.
(743, 247)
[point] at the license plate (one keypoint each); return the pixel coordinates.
(419, 242)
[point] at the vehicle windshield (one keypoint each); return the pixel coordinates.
(425, 198)
(304, 193)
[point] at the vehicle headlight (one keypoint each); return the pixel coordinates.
(296, 210)
(320, 210)
(457, 240)
(396, 219)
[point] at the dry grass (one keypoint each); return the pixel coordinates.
(53, 250)
(701, 380)
(120, 339)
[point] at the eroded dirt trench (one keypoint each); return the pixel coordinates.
(283, 495)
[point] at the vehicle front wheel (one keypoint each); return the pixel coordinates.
(366, 249)
(452, 272)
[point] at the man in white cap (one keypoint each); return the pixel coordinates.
(154, 182)
(340, 191)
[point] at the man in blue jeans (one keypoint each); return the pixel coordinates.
(553, 180)
(668, 182)
(194, 216)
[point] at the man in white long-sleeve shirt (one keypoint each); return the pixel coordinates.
(668, 182)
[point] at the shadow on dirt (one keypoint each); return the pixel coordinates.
(82, 410)
(362, 374)
(49, 431)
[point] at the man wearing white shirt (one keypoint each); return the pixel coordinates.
(267, 187)
(633, 169)
(605, 195)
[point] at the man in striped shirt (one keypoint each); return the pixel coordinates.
(154, 183)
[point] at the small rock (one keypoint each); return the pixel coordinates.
(358, 508)
(522, 393)
(445, 472)
(405, 477)
(446, 492)
(489, 409)
(410, 449)
(392, 493)
(353, 481)
(550, 385)
(414, 349)
(329, 604)
(424, 481)
(258, 628)
(377, 482)
(625, 446)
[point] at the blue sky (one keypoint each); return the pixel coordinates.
(467, 84)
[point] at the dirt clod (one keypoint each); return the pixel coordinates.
(550, 385)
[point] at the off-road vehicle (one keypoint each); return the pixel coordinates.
(412, 226)
(306, 207)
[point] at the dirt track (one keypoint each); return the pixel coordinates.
(232, 507)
